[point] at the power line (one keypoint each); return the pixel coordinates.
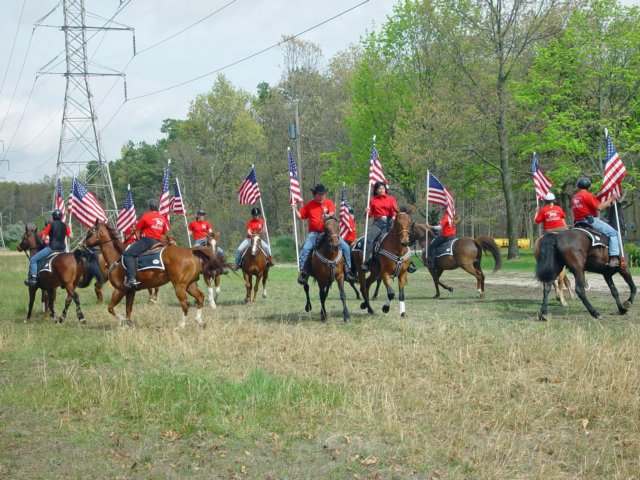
(18, 81)
(252, 55)
(13, 46)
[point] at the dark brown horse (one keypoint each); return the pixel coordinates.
(392, 260)
(572, 249)
(327, 265)
(254, 264)
(561, 283)
(66, 271)
(467, 254)
(182, 269)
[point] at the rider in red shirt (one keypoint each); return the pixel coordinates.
(314, 211)
(383, 208)
(551, 215)
(199, 228)
(350, 234)
(129, 235)
(255, 226)
(447, 229)
(152, 226)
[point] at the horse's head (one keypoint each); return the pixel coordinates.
(402, 226)
(418, 234)
(255, 244)
(30, 238)
(332, 232)
(99, 234)
(212, 241)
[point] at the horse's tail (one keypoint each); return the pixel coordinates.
(549, 264)
(210, 261)
(488, 244)
(91, 267)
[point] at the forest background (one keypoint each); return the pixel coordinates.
(466, 89)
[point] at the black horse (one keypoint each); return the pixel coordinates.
(572, 248)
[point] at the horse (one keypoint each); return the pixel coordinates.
(466, 254)
(561, 282)
(572, 249)
(327, 264)
(254, 264)
(393, 259)
(182, 269)
(67, 269)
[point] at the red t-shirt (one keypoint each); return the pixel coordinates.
(313, 211)
(448, 227)
(551, 216)
(383, 206)
(584, 203)
(129, 236)
(255, 225)
(199, 229)
(350, 235)
(153, 225)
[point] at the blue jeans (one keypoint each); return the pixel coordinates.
(311, 241)
(245, 243)
(610, 232)
(33, 263)
(202, 242)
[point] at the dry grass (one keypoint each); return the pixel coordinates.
(460, 389)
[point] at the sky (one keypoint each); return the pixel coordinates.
(32, 60)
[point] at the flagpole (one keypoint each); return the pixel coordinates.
(266, 229)
(66, 243)
(366, 220)
(184, 207)
(295, 226)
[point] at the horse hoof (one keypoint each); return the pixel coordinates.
(626, 305)
(480, 294)
(375, 297)
(213, 305)
(127, 324)
(153, 300)
(81, 320)
(385, 308)
(370, 311)
(363, 305)
(450, 289)
(543, 317)
(347, 319)
(403, 314)
(307, 308)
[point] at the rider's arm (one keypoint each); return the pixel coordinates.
(69, 232)
(606, 203)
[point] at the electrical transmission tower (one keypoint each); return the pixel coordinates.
(80, 152)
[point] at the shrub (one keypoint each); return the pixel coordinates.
(283, 249)
(633, 252)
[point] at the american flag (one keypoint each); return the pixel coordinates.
(614, 172)
(540, 181)
(85, 206)
(440, 195)
(126, 215)
(375, 168)
(345, 226)
(60, 201)
(294, 185)
(249, 192)
(176, 204)
(165, 202)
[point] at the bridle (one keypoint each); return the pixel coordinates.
(330, 236)
(403, 230)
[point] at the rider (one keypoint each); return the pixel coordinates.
(383, 208)
(255, 226)
(315, 211)
(58, 231)
(447, 230)
(200, 229)
(130, 235)
(586, 207)
(350, 233)
(152, 225)
(551, 215)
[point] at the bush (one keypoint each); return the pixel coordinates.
(633, 252)
(283, 249)
(12, 235)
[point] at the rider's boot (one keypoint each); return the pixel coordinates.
(270, 261)
(131, 282)
(348, 274)
(365, 265)
(303, 276)
(412, 268)
(614, 261)
(32, 281)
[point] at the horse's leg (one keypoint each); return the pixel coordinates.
(608, 277)
(67, 302)
(153, 295)
(476, 271)
(390, 293)
(181, 293)
(97, 287)
(324, 291)
(353, 285)
(375, 294)
(131, 295)
(116, 298)
(217, 282)
(194, 291)
(76, 300)
(264, 282)
(365, 285)
(52, 303)
(256, 286)
(44, 300)
(210, 297)
(32, 298)
(580, 291)
(307, 307)
(402, 281)
(626, 275)
(567, 282)
(435, 275)
(343, 296)
(544, 308)
(247, 285)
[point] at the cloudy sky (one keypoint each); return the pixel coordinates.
(31, 60)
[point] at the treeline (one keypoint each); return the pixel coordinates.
(468, 90)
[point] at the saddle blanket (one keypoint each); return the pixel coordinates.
(151, 260)
(446, 248)
(44, 265)
(359, 245)
(597, 239)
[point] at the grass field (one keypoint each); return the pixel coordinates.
(461, 388)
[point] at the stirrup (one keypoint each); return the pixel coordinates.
(412, 268)
(131, 283)
(303, 277)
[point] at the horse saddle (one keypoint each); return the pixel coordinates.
(597, 238)
(446, 248)
(359, 245)
(44, 265)
(151, 259)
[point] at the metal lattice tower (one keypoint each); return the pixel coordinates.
(80, 152)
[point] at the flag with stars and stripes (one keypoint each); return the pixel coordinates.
(85, 206)
(249, 192)
(614, 172)
(164, 205)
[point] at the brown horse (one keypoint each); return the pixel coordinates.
(182, 269)
(561, 283)
(393, 259)
(66, 271)
(572, 249)
(254, 264)
(467, 254)
(327, 265)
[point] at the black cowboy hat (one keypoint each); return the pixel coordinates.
(319, 188)
(201, 212)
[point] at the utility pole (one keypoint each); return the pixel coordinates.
(1, 232)
(80, 152)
